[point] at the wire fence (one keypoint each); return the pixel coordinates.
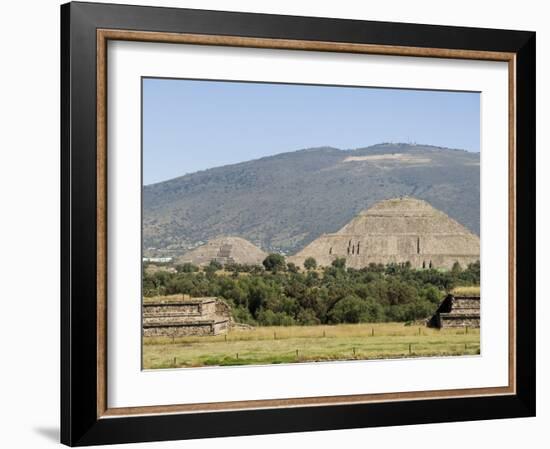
(398, 350)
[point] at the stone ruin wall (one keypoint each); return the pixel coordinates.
(188, 330)
(454, 321)
(186, 317)
(466, 302)
(457, 312)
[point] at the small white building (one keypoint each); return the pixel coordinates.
(158, 259)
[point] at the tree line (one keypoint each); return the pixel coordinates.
(280, 293)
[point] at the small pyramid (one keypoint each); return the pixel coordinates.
(397, 230)
(225, 250)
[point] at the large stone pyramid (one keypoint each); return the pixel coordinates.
(225, 250)
(396, 230)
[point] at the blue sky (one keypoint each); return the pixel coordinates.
(191, 125)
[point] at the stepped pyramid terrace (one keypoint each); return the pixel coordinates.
(397, 230)
(457, 311)
(181, 316)
(226, 250)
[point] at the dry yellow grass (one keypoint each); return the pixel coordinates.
(268, 345)
(466, 291)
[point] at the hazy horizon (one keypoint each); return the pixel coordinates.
(194, 125)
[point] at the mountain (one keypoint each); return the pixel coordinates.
(284, 202)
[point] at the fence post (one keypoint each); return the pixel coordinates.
(353, 351)
(175, 361)
(410, 348)
(372, 331)
(296, 353)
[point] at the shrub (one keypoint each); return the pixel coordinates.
(291, 267)
(214, 265)
(332, 295)
(307, 317)
(243, 315)
(310, 263)
(274, 262)
(348, 310)
(270, 318)
(187, 268)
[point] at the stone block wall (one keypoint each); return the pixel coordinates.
(182, 309)
(466, 302)
(458, 320)
(179, 330)
(185, 317)
(459, 311)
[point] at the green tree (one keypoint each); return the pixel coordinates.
(332, 295)
(292, 268)
(307, 317)
(274, 262)
(339, 263)
(471, 275)
(214, 265)
(242, 315)
(457, 269)
(187, 268)
(237, 294)
(348, 310)
(431, 294)
(270, 318)
(310, 263)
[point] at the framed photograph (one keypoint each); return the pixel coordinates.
(282, 224)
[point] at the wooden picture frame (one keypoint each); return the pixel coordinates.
(86, 28)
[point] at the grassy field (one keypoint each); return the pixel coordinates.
(466, 291)
(269, 345)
